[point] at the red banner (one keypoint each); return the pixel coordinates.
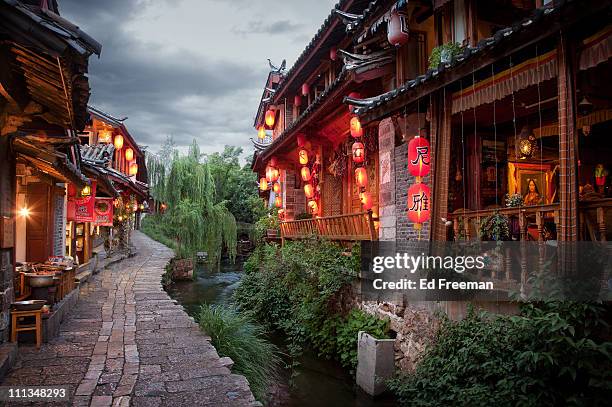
(81, 209)
(103, 212)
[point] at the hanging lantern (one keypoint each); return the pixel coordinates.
(278, 201)
(261, 133)
(308, 191)
(361, 177)
(305, 89)
(297, 100)
(129, 154)
(366, 200)
(276, 188)
(105, 136)
(305, 173)
(333, 53)
(270, 118)
(418, 157)
(419, 204)
(313, 207)
(118, 142)
(398, 32)
(274, 162)
(356, 129)
(263, 184)
(141, 207)
(272, 174)
(301, 140)
(527, 144)
(303, 154)
(133, 170)
(281, 214)
(86, 191)
(358, 152)
(120, 218)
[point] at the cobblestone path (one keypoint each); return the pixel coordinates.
(127, 343)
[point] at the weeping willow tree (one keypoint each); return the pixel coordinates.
(194, 217)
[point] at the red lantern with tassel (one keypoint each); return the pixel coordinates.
(398, 32)
(418, 157)
(356, 129)
(274, 162)
(263, 184)
(361, 177)
(308, 191)
(366, 200)
(305, 89)
(278, 202)
(313, 207)
(303, 156)
(358, 152)
(272, 174)
(301, 140)
(419, 204)
(276, 188)
(270, 118)
(118, 142)
(261, 133)
(305, 173)
(333, 53)
(133, 169)
(297, 100)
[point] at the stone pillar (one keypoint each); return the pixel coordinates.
(386, 192)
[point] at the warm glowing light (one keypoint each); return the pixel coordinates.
(272, 174)
(135, 207)
(270, 118)
(278, 202)
(133, 170)
(313, 207)
(24, 212)
(419, 203)
(118, 142)
(281, 214)
(303, 154)
(261, 133)
(276, 188)
(366, 200)
(86, 191)
(419, 161)
(305, 173)
(120, 218)
(356, 129)
(308, 191)
(141, 207)
(358, 152)
(163, 206)
(361, 177)
(105, 136)
(129, 154)
(263, 184)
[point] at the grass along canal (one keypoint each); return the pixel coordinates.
(317, 382)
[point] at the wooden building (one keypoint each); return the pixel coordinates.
(509, 97)
(43, 105)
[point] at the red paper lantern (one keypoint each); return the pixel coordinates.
(313, 207)
(305, 173)
(333, 53)
(297, 100)
(419, 203)
(305, 89)
(273, 162)
(303, 154)
(261, 133)
(301, 140)
(118, 142)
(129, 154)
(263, 184)
(270, 118)
(418, 157)
(133, 169)
(398, 32)
(276, 188)
(356, 129)
(278, 202)
(308, 191)
(366, 200)
(358, 152)
(272, 174)
(361, 177)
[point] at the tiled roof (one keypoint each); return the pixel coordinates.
(102, 153)
(363, 106)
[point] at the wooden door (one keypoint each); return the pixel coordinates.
(39, 224)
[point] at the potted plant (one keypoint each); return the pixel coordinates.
(514, 200)
(495, 227)
(444, 54)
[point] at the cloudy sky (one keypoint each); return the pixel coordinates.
(191, 68)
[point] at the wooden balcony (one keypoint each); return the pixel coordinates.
(351, 227)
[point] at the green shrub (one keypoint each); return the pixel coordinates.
(551, 354)
(450, 50)
(236, 336)
(297, 288)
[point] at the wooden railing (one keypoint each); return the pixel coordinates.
(595, 214)
(351, 227)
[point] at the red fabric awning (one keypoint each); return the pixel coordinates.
(597, 49)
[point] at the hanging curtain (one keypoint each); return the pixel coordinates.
(597, 49)
(528, 73)
(439, 3)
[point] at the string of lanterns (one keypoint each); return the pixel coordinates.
(419, 195)
(309, 175)
(358, 154)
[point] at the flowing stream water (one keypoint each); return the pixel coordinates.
(318, 382)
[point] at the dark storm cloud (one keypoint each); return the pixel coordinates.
(261, 27)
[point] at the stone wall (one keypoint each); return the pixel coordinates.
(386, 194)
(7, 205)
(293, 195)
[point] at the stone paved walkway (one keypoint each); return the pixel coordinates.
(127, 343)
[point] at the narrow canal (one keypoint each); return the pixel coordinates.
(318, 382)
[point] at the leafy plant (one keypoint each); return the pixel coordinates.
(495, 227)
(444, 53)
(552, 354)
(236, 336)
(265, 223)
(303, 215)
(514, 200)
(346, 334)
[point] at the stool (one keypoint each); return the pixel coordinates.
(37, 326)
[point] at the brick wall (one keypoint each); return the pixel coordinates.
(294, 199)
